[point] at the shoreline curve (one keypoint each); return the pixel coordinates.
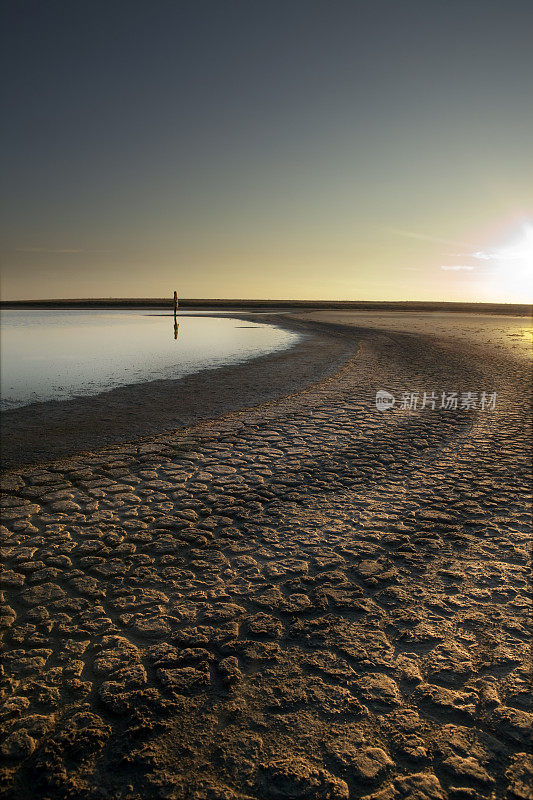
(42, 432)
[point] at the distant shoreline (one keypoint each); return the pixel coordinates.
(515, 309)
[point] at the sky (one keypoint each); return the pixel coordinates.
(284, 149)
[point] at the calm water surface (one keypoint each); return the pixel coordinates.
(56, 355)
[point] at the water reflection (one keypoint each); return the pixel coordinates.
(58, 354)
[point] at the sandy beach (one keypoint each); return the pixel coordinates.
(273, 589)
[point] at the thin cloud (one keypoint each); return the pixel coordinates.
(480, 255)
(47, 250)
(424, 237)
(57, 250)
(457, 267)
(507, 254)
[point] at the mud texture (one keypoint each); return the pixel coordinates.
(311, 599)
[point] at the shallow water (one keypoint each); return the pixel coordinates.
(60, 354)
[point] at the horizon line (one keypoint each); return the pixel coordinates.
(259, 301)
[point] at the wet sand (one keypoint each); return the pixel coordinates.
(42, 431)
(309, 598)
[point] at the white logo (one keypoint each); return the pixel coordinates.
(384, 400)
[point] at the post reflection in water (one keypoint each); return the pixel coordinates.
(176, 326)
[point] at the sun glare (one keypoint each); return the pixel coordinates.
(513, 266)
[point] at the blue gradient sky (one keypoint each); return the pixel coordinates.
(294, 149)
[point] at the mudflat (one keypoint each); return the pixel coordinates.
(40, 432)
(307, 598)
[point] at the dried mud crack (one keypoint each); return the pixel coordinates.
(310, 599)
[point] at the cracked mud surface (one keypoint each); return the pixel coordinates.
(309, 599)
